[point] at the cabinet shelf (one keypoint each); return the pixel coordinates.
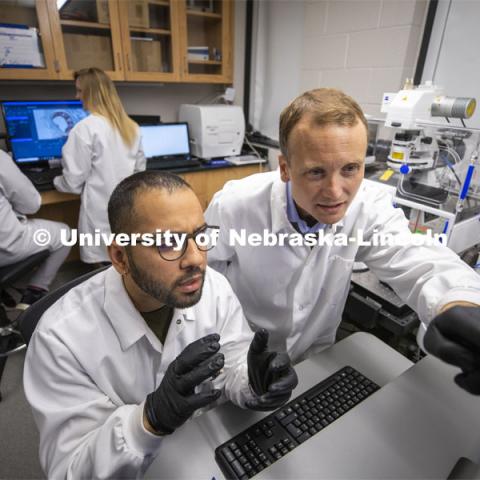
(163, 3)
(157, 31)
(204, 62)
(80, 23)
(195, 13)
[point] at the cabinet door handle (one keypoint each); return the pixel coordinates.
(119, 61)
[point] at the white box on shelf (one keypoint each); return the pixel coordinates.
(198, 53)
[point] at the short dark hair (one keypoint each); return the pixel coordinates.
(327, 106)
(121, 206)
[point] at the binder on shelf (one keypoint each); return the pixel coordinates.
(19, 47)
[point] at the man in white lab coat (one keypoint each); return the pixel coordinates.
(298, 292)
(18, 198)
(125, 358)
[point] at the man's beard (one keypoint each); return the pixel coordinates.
(162, 293)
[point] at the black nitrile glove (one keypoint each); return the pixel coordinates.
(174, 401)
(271, 375)
(454, 336)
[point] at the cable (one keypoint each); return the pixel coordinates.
(247, 141)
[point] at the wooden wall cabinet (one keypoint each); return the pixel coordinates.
(132, 40)
(206, 40)
(86, 33)
(150, 40)
(32, 14)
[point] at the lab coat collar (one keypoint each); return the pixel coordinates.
(127, 321)
(278, 207)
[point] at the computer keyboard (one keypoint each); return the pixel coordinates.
(162, 164)
(274, 436)
(43, 179)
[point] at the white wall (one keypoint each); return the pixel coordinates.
(364, 47)
(453, 54)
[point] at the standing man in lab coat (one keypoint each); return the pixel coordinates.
(125, 358)
(18, 198)
(298, 292)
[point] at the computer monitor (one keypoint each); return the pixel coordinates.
(165, 140)
(146, 119)
(37, 130)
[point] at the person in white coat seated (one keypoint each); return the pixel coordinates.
(298, 292)
(125, 358)
(19, 198)
(101, 150)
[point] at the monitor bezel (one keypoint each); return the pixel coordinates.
(165, 124)
(42, 162)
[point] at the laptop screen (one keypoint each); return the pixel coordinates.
(165, 140)
(38, 130)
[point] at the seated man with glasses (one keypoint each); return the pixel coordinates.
(125, 358)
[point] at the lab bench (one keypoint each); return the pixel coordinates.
(204, 180)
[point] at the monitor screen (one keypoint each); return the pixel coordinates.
(38, 130)
(165, 140)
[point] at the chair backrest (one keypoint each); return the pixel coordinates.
(13, 272)
(29, 318)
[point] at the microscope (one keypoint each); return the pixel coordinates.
(432, 161)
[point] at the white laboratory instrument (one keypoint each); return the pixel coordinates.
(215, 130)
(434, 170)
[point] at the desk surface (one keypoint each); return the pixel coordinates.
(417, 426)
(51, 197)
(349, 447)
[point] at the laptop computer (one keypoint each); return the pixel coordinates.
(36, 133)
(167, 146)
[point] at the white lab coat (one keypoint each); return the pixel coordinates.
(18, 197)
(94, 160)
(92, 361)
(299, 293)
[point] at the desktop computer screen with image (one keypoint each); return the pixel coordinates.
(37, 130)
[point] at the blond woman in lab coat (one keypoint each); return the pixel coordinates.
(101, 150)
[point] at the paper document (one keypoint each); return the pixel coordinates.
(19, 47)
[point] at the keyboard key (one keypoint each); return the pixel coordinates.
(288, 419)
(294, 431)
(303, 437)
(280, 415)
(228, 454)
(238, 468)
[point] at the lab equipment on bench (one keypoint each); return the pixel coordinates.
(215, 130)
(433, 168)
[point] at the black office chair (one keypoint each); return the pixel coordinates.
(11, 273)
(10, 339)
(27, 320)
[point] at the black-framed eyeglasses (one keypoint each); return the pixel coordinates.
(175, 246)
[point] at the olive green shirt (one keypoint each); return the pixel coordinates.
(159, 321)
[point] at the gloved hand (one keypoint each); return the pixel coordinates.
(454, 336)
(174, 401)
(271, 375)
